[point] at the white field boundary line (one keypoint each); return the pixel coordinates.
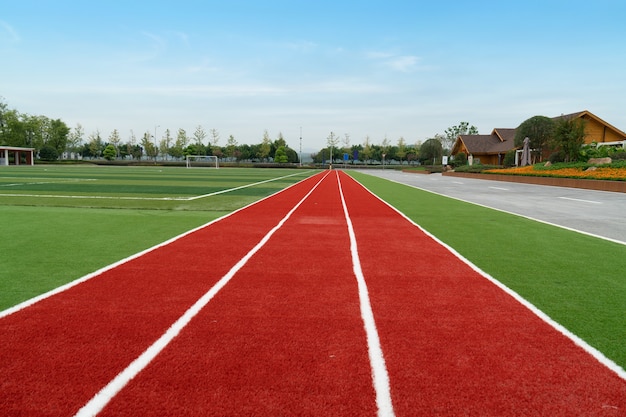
(595, 353)
(380, 376)
(106, 394)
(58, 180)
(65, 287)
(582, 232)
(104, 197)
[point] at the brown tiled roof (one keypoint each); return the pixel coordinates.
(586, 114)
(500, 141)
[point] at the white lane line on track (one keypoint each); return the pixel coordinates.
(106, 394)
(499, 188)
(599, 356)
(377, 360)
(580, 200)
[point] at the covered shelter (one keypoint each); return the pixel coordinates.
(17, 153)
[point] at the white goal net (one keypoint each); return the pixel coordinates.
(202, 161)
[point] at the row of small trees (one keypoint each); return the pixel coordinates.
(51, 138)
(177, 148)
(430, 151)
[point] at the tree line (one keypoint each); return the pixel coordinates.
(52, 138)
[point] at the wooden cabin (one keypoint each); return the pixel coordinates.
(490, 149)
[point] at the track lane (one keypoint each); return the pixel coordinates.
(456, 344)
(285, 337)
(56, 354)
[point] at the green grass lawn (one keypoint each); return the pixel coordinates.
(62, 222)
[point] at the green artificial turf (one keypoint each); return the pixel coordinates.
(576, 279)
(58, 222)
(45, 247)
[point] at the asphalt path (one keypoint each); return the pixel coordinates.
(599, 213)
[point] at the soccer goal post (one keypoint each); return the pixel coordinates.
(202, 161)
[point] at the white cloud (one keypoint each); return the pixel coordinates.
(7, 33)
(396, 62)
(407, 63)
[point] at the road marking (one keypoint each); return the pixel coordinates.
(499, 188)
(582, 201)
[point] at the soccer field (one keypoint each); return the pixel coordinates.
(67, 221)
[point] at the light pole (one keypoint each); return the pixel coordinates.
(300, 145)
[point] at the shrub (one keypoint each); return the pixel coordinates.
(460, 159)
(48, 153)
(619, 156)
(557, 157)
(509, 158)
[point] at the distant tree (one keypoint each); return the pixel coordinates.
(453, 132)
(199, 135)
(568, 137)
(231, 146)
(346, 143)
(110, 152)
(366, 153)
(57, 135)
(165, 144)
(48, 153)
(115, 139)
(215, 138)
(266, 146)
(75, 138)
(332, 141)
(431, 151)
(150, 149)
(401, 151)
(539, 129)
(95, 144)
(281, 155)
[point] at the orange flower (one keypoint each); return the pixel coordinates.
(600, 173)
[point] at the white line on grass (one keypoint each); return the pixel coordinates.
(105, 197)
(243, 186)
(106, 394)
(377, 360)
(599, 356)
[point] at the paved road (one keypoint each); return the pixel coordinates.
(600, 213)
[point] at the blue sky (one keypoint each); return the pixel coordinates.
(383, 69)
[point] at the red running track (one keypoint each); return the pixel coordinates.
(285, 336)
